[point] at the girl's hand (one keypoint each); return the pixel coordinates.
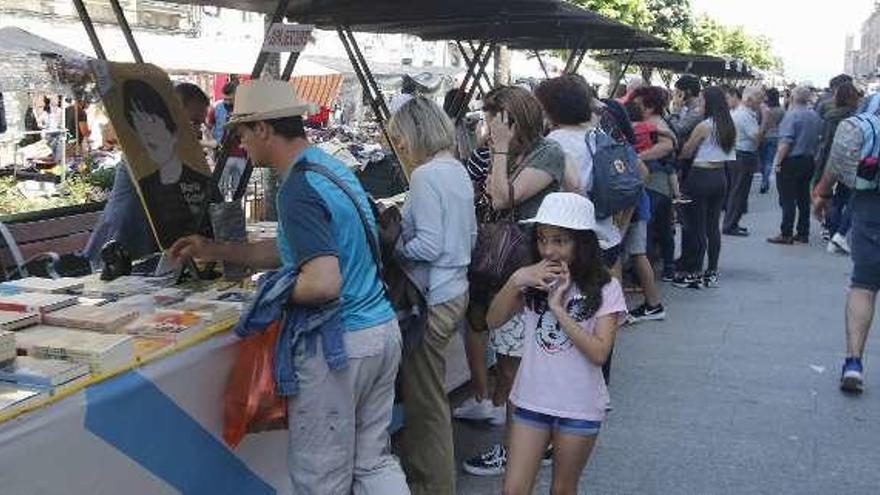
(500, 133)
(556, 300)
(539, 276)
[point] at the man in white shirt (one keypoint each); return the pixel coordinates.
(748, 137)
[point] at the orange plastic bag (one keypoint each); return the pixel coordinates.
(250, 402)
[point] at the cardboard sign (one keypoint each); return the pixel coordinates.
(283, 38)
(163, 155)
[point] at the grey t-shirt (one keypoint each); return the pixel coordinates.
(802, 129)
(547, 156)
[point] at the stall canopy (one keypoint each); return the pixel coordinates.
(29, 62)
(701, 65)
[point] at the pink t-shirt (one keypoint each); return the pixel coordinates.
(556, 378)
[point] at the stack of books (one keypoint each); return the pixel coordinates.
(48, 373)
(45, 285)
(12, 396)
(239, 297)
(124, 286)
(212, 312)
(35, 302)
(102, 352)
(7, 346)
(172, 326)
(12, 320)
(109, 318)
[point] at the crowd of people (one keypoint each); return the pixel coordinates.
(550, 320)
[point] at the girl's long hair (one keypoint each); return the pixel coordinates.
(524, 110)
(588, 273)
(717, 110)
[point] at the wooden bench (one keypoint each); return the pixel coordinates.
(39, 239)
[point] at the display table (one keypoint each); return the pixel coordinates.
(154, 429)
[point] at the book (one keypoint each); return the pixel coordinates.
(35, 302)
(126, 285)
(12, 320)
(7, 346)
(239, 297)
(108, 318)
(45, 285)
(145, 347)
(170, 325)
(211, 311)
(26, 370)
(18, 396)
(102, 352)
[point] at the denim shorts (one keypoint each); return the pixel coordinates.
(866, 242)
(581, 427)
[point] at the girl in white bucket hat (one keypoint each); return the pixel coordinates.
(572, 308)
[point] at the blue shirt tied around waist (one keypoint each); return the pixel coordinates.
(316, 218)
(300, 325)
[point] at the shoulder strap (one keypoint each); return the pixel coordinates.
(371, 239)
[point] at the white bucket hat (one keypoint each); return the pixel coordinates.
(259, 99)
(567, 210)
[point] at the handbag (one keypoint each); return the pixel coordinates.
(503, 246)
(250, 404)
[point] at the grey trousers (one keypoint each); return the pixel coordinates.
(339, 441)
(739, 187)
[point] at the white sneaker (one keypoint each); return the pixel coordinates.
(473, 409)
(499, 415)
(841, 243)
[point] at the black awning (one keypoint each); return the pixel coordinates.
(697, 64)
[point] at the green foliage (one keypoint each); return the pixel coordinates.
(75, 190)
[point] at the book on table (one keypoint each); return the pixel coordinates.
(7, 346)
(107, 318)
(27, 370)
(241, 298)
(13, 320)
(211, 311)
(45, 285)
(35, 302)
(101, 351)
(169, 325)
(12, 395)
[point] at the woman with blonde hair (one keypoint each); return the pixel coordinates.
(438, 233)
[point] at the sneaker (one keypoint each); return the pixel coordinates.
(475, 410)
(737, 232)
(826, 235)
(851, 376)
(687, 282)
(547, 458)
(668, 276)
(710, 280)
(498, 415)
(832, 248)
(840, 242)
(646, 313)
(781, 239)
(489, 463)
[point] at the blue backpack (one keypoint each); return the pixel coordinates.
(617, 185)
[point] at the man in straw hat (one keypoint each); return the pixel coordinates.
(339, 420)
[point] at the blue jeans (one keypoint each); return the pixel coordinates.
(768, 153)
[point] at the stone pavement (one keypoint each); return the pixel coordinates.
(736, 392)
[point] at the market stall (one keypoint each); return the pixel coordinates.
(668, 63)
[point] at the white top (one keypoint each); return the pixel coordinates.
(711, 151)
(574, 144)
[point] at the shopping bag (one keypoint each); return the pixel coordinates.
(251, 404)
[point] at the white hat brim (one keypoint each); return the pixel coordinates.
(301, 110)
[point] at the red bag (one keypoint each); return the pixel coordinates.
(250, 402)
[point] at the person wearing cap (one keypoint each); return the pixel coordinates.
(571, 309)
(339, 441)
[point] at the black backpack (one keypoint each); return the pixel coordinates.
(617, 185)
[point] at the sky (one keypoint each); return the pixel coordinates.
(809, 38)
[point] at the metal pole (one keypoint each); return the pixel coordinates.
(288, 68)
(485, 76)
(462, 110)
(541, 61)
(126, 31)
(467, 61)
(580, 60)
(459, 102)
(90, 29)
(366, 68)
(277, 16)
(632, 55)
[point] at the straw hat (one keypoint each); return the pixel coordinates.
(567, 210)
(259, 99)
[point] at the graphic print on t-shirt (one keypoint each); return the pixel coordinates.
(550, 336)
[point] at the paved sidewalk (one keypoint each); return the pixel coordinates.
(736, 392)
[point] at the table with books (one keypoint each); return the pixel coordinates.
(117, 387)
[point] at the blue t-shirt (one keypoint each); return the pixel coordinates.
(316, 218)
